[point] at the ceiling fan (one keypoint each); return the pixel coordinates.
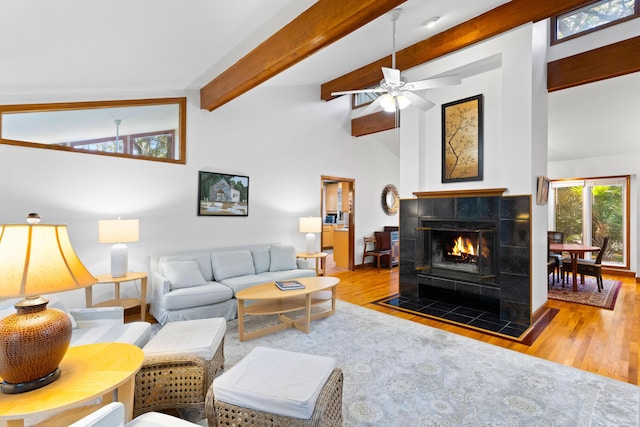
(397, 92)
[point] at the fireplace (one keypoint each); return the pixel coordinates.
(472, 243)
(461, 249)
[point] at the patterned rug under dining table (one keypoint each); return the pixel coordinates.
(268, 299)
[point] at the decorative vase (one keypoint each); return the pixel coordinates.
(33, 341)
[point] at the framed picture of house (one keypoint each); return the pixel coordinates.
(221, 194)
(462, 140)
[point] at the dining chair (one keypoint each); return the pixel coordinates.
(374, 252)
(552, 266)
(556, 237)
(589, 267)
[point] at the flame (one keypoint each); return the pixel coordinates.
(462, 247)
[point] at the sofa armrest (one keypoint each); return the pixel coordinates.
(98, 316)
(163, 382)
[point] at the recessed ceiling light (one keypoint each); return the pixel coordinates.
(429, 23)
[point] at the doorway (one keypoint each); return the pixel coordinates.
(337, 210)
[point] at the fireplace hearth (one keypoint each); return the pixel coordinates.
(476, 246)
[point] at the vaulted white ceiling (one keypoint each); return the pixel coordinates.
(80, 46)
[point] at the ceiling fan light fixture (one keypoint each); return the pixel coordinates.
(388, 103)
(403, 101)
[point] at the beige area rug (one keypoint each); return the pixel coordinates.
(587, 293)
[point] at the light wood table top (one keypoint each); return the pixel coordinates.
(268, 299)
(88, 372)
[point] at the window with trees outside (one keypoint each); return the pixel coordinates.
(589, 210)
(594, 16)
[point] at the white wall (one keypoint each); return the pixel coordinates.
(283, 138)
(510, 73)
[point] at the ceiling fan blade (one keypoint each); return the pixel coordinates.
(370, 108)
(418, 101)
(351, 92)
(433, 83)
(391, 76)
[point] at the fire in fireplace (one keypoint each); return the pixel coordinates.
(465, 251)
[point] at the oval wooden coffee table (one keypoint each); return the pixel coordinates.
(268, 299)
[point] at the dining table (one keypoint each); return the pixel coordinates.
(575, 251)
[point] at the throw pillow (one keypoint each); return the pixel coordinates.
(182, 274)
(232, 264)
(261, 259)
(282, 258)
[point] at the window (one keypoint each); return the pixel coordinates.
(590, 209)
(594, 16)
(361, 99)
(145, 129)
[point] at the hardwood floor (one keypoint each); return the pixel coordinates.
(602, 341)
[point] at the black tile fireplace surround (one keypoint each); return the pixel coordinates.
(495, 269)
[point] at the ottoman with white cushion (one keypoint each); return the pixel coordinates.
(271, 387)
(179, 365)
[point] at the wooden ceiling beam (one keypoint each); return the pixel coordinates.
(609, 61)
(496, 21)
(322, 24)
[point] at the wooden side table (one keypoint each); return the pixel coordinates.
(320, 258)
(91, 371)
(122, 302)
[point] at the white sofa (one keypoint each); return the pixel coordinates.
(94, 325)
(202, 283)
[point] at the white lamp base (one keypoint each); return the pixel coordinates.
(119, 260)
(311, 243)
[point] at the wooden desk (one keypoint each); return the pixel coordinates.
(122, 302)
(91, 371)
(320, 258)
(268, 299)
(574, 250)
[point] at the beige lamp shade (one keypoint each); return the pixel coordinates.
(39, 259)
(118, 230)
(311, 224)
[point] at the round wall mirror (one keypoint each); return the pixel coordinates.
(390, 200)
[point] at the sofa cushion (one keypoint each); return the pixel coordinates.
(261, 259)
(241, 282)
(182, 274)
(202, 258)
(232, 264)
(136, 333)
(197, 296)
(282, 258)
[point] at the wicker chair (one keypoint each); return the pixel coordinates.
(327, 411)
(176, 382)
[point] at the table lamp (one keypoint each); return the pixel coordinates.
(118, 231)
(35, 259)
(311, 225)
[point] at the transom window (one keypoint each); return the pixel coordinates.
(594, 16)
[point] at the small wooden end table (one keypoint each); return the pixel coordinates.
(90, 371)
(269, 299)
(320, 258)
(122, 302)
